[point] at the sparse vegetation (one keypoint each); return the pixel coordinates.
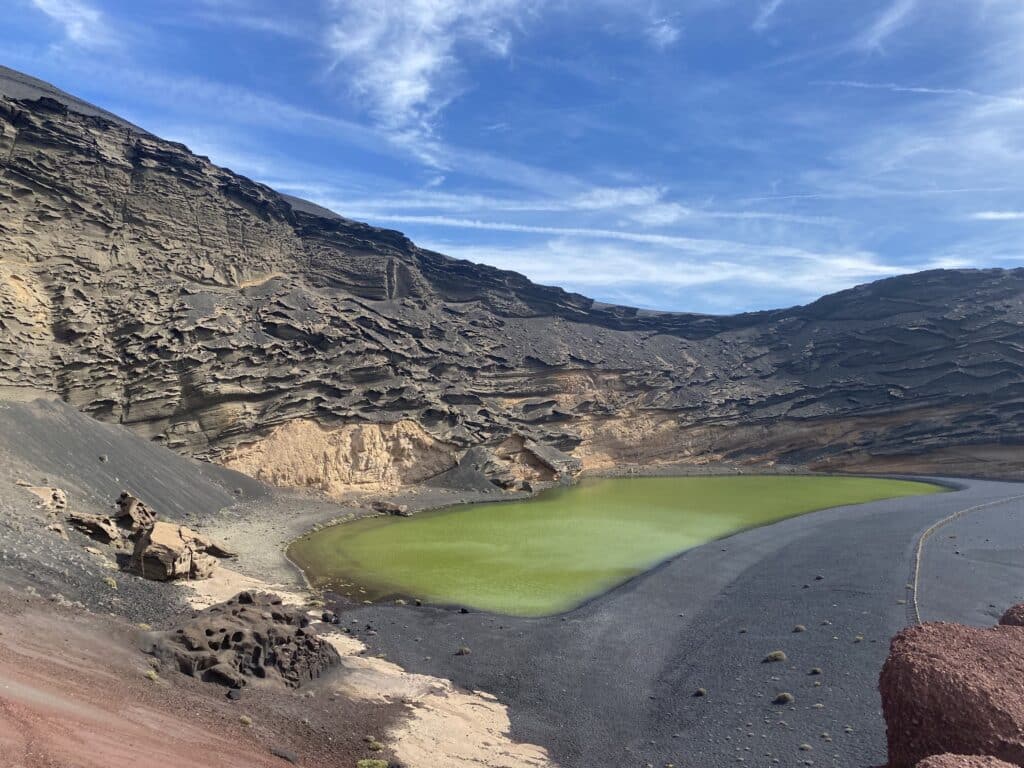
(784, 698)
(110, 582)
(799, 628)
(775, 656)
(464, 650)
(372, 763)
(246, 721)
(151, 674)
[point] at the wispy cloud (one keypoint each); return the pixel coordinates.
(766, 14)
(1010, 99)
(83, 24)
(663, 33)
(402, 58)
(656, 277)
(998, 216)
(894, 17)
(694, 245)
(645, 206)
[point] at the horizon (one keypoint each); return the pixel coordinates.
(730, 157)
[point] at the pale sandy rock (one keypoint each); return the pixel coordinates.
(446, 726)
(53, 499)
(167, 551)
(301, 453)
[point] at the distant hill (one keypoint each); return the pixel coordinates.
(145, 285)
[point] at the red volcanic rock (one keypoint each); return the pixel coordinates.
(1014, 617)
(962, 761)
(948, 688)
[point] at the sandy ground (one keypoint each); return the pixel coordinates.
(447, 726)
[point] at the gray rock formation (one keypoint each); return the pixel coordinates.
(145, 285)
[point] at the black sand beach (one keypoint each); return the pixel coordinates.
(613, 682)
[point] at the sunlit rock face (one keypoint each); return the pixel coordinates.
(145, 285)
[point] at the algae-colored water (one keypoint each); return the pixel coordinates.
(548, 554)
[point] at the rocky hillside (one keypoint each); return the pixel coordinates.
(147, 286)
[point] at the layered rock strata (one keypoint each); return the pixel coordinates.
(147, 286)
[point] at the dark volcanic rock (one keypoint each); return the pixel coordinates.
(147, 286)
(249, 636)
(1014, 617)
(949, 688)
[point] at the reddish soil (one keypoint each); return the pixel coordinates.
(74, 694)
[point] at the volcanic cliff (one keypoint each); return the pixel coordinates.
(145, 285)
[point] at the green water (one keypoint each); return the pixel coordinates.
(548, 554)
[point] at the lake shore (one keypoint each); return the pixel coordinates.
(612, 682)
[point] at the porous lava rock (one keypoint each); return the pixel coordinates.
(949, 688)
(133, 514)
(251, 636)
(1014, 617)
(963, 761)
(166, 551)
(129, 520)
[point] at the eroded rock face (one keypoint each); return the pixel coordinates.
(949, 688)
(167, 551)
(251, 636)
(147, 286)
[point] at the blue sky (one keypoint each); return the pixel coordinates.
(709, 155)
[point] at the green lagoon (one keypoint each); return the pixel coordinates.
(548, 554)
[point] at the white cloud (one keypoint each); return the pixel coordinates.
(401, 58)
(765, 15)
(1010, 100)
(662, 33)
(83, 24)
(893, 18)
(693, 245)
(998, 216)
(724, 281)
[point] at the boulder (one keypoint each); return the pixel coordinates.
(97, 526)
(251, 636)
(962, 761)
(132, 514)
(389, 508)
(166, 551)
(949, 688)
(1014, 617)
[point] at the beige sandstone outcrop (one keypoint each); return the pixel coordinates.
(301, 453)
(53, 499)
(167, 551)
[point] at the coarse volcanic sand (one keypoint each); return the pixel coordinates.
(74, 694)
